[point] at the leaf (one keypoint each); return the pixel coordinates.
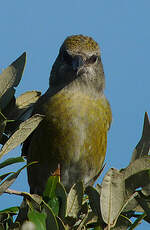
(3, 176)
(3, 122)
(7, 99)
(91, 218)
(142, 164)
(123, 223)
(10, 161)
(143, 147)
(137, 174)
(10, 180)
(82, 216)
(49, 194)
(54, 204)
(6, 220)
(112, 196)
(34, 201)
(13, 210)
(22, 105)
(3, 139)
(27, 98)
(145, 204)
(39, 219)
(50, 187)
(98, 188)
(62, 195)
(23, 210)
(60, 224)
(51, 222)
(97, 228)
(74, 200)
(2, 227)
(131, 204)
(94, 199)
(24, 130)
(146, 190)
(10, 78)
(20, 110)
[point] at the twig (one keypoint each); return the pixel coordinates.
(11, 191)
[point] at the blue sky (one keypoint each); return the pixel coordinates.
(122, 30)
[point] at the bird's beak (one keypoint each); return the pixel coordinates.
(77, 63)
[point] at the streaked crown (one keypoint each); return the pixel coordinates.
(80, 44)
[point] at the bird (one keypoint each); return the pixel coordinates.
(77, 117)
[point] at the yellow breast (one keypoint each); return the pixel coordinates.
(73, 135)
(77, 124)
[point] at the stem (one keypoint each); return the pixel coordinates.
(11, 191)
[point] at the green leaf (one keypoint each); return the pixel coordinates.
(74, 200)
(39, 219)
(97, 228)
(50, 187)
(49, 194)
(10, 161)
(10, 78)
(62, 195)
(24, 130)
(54, 204)
(51, 221)
(112, 196)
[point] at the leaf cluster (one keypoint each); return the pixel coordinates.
(123, 194)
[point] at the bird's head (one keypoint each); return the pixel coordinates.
(79, 58)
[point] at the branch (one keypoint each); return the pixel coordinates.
(11, 191)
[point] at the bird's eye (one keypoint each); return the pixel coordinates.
(67, 58)
(92, 59)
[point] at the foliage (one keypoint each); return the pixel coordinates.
(123, 194)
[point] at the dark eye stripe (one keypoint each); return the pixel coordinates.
(92, 59)
(67, 58)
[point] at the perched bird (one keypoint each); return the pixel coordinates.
(73, 133)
